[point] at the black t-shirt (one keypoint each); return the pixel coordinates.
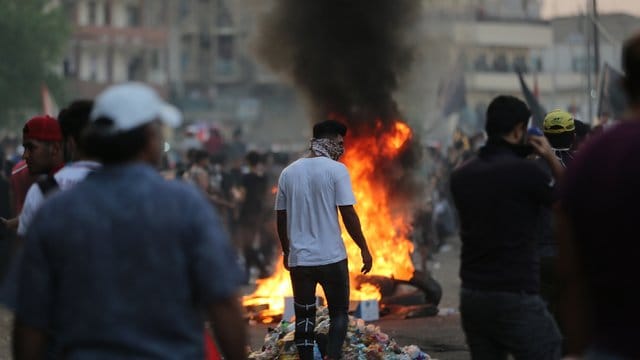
(499, 196)
(256, 187)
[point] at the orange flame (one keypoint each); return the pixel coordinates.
(386, 232)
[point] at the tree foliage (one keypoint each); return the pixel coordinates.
(33, 35)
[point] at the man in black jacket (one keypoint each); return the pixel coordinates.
(499, 195)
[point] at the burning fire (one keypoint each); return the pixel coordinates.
(386, 232)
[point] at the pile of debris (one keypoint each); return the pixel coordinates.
(363, 342)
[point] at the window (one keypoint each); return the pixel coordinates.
(480, 63)
(500, 63)
(205, 41)
(92, 8)
(107, 14)
(134, 68)
(93, 68)
(225, 47)
(224, 60)
(183, 9)
(155, 59)
(519, 62)
(133, 16)
(579, 64)
(69, 68)
(185, 60)
(537, 64)
(223, 15)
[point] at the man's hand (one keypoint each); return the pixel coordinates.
(232, 340)
(541, 146)
(10, 224)
(367, 261)
(28, 342)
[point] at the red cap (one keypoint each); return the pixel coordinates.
(42, 128)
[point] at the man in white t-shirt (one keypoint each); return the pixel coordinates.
(310, 192)
(73, 121)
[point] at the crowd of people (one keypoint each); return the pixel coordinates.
(240, 185)
(237, 181)
(111, 260)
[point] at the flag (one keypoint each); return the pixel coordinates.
(537, 111)
(49, 106)
(452, 94)
(612, 100)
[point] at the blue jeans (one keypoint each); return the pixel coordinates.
(500, 323)
(334, 279)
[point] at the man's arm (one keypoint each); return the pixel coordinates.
(33, 293)
(543, 148)
(352, 224)
(231, 339)
(28, 342)
(281, 220)
(32, 203)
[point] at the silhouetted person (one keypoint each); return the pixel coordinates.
(597, 231)
(499, 195)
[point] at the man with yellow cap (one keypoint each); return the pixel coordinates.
(560, 129)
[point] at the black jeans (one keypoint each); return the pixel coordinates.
(334, 279)
(500, 323)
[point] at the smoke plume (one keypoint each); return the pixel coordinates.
(345, 55)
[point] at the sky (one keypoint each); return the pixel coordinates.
(552, 8)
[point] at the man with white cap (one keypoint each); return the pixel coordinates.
(125, 264)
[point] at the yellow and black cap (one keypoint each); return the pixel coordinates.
(558, 122)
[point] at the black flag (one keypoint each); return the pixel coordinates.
(612, 100)
(537, 111)
(453, 94)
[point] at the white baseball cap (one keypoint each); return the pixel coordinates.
(133, 104)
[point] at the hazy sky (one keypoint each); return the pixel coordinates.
(552, 8)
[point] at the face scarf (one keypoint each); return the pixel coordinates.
(327, 147)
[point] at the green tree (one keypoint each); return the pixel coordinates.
(33, 35)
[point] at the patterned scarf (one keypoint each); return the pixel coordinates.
(327, 147)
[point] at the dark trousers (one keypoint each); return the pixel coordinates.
(551, 293)
(500, 323)
(334, 279)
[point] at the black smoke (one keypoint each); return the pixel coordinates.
(345, 55)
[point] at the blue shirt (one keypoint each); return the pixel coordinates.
(122, 265)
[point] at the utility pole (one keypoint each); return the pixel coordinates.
(596, 37)
(589, 64)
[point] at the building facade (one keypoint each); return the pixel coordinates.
(471, 49)
(198, 53)
(566, 60)
(114, 41)
(487, 40)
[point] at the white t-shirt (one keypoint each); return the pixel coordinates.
(310, 190)
(66, 177)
